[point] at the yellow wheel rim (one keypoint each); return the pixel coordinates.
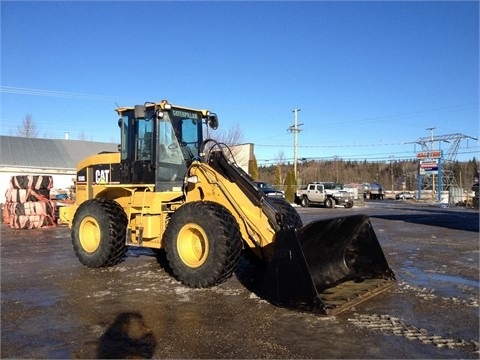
(90, 234)
(192, 245)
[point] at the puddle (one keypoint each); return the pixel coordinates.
(36, 297)
(454, 279)
(441, 281)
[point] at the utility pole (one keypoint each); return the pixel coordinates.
(295, 129)
(391, 169)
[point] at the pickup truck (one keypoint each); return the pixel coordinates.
(328, 194)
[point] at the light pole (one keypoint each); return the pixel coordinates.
(295, 129)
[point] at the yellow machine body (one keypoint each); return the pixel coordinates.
(168, 188)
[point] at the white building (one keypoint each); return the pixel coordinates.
(54, 157)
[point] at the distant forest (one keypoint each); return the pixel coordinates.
(391, 175)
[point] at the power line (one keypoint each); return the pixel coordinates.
(364, 119)
(54, 93)
(375, 157)
(333, 146)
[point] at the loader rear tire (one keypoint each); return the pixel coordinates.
(203, 244)
(98, 233)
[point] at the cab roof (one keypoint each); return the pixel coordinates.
(163, 105)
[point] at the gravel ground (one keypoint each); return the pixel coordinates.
(53, 307)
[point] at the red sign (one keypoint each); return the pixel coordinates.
(434, 154)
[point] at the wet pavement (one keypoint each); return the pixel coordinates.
(53, 307)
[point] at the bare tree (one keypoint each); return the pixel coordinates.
(280, 158)
(27, 128)
(231, 136)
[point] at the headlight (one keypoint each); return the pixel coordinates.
(192, 179)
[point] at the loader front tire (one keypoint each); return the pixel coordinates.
(290, 215)
(98, 233)
(203, 244)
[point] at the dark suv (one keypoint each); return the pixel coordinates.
(269, 190)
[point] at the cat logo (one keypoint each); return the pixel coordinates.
(101, 176)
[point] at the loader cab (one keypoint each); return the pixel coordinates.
(158, 143)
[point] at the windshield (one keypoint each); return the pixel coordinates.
(188, 130)
(265, 186)
(169, 147)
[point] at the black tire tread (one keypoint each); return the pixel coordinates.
(110, 215)
(221, 227)
(291, 216)
(329, 203)
(304, 202)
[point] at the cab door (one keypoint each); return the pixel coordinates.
(316, 193)
(144, 156)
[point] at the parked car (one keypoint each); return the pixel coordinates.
(405, 195)
(269, 190)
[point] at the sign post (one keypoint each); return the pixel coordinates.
(430, 163)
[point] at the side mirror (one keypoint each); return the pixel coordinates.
(212, 121)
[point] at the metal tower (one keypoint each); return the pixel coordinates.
(448, 178)
(451, 154)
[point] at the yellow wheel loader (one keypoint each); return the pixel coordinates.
(168, 188)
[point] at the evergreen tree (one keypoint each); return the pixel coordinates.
(278, 175)
(253, 168)
(290, 183)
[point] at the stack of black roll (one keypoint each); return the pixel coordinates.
(28, 204)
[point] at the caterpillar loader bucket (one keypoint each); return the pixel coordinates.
(327, 266)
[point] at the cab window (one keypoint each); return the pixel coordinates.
(144, 139)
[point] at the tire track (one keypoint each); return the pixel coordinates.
(395, 326)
